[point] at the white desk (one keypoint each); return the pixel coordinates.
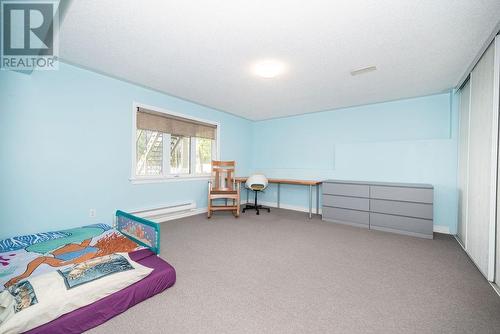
(308, 183)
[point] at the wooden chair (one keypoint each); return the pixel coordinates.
(223, 186)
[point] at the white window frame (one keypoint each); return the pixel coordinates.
(167, 177)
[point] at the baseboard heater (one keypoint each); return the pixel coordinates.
(165, 212)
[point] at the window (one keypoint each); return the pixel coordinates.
(168, 145)
(149, 152)
(180, 150)
(203, 155)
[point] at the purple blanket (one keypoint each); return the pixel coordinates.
(92, 315)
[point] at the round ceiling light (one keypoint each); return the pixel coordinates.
(269, 68)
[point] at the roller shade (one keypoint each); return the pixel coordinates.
(155, 121)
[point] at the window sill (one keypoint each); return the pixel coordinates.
(145, 180)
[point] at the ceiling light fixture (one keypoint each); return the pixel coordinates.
(363, 70)
(269, 68)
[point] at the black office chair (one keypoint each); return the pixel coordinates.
(256, 183)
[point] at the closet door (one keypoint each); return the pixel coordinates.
(481, 191)
(463, 162)
(496, 101)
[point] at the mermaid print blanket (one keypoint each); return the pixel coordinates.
(26, 256)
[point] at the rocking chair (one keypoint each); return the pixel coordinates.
(223, 186)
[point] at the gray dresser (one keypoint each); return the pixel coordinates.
(404, 208)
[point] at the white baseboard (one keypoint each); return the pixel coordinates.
(437, 228)
(495, 287)
(460, 243)
(198, 211)
(441, 229)
(288, 207)
(194, 212)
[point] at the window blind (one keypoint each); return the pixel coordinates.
(155, 121)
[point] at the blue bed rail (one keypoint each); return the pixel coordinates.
(144, 232)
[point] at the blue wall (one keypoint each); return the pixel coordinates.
(65, 148)
(66, 135)
(411, 140)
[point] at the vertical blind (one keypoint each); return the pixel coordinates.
(175, 125)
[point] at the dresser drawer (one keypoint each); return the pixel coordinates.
(347, 202)
(417, 210)
(414, 225)
(346, 216)
(354, 190)
(421, 195)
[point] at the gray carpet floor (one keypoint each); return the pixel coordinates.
(283, 273)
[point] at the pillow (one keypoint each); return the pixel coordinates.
(45, 297)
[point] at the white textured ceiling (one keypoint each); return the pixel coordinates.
(203, 51)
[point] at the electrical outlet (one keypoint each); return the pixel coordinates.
(92, 213)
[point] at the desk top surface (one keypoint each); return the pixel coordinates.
(287, 181)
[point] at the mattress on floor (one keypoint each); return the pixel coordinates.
(92, 315)
(66, 247)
